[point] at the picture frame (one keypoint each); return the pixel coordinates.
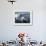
(23, 18)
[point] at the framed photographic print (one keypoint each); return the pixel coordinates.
(23, 18)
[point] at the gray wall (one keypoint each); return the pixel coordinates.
(9, 31)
